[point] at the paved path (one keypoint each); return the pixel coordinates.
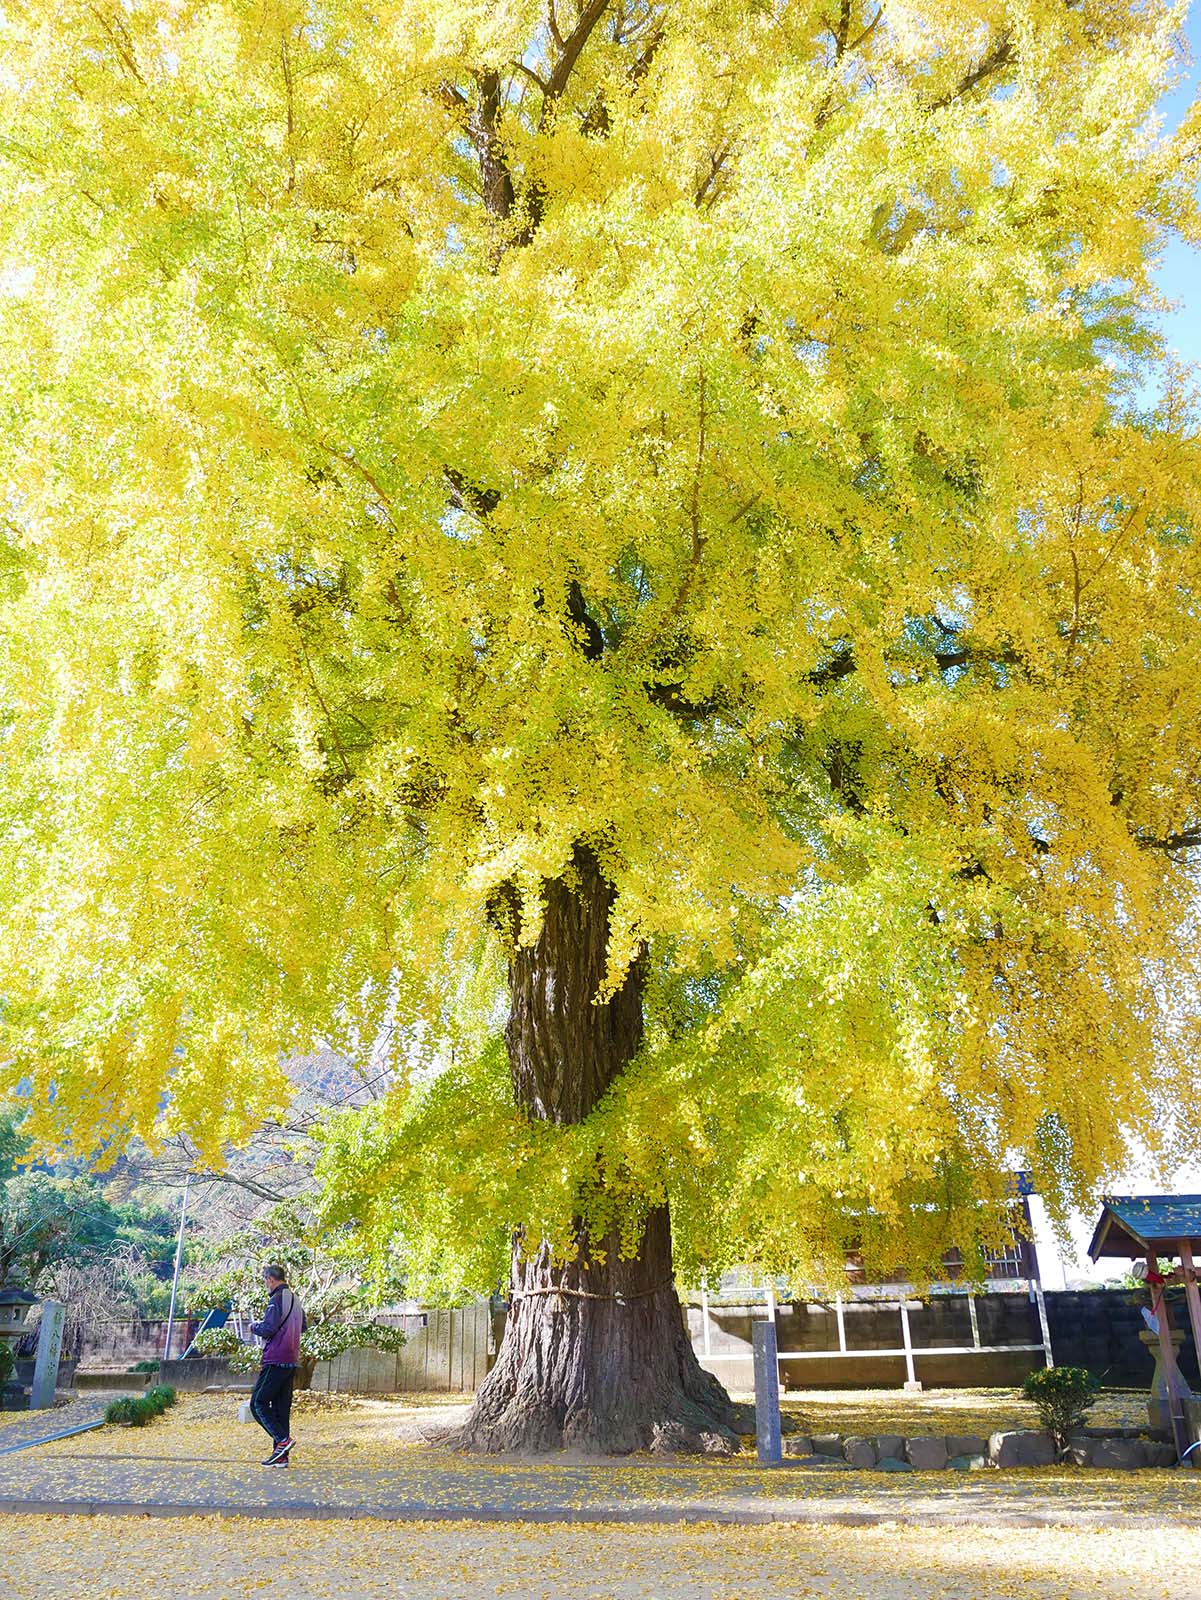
(23, 1427)
(425, 1485)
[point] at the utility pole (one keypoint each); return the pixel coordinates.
(183, 1211)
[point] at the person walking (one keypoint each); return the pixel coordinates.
(280, 1331)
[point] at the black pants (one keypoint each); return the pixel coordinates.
(271, 1401)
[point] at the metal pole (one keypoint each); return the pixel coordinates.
(771, 1312)
(183, 1211)
(1185, 1250)
(911, 1380)
(1044, 1325)
(1167, 1353)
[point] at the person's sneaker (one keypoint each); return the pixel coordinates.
(279, 1456)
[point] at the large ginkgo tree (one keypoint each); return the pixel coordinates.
(671, 512)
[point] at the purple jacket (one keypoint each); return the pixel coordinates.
(281, 1328)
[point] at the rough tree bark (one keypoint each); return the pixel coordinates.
(595, 1355)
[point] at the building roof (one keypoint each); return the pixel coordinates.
(1129, 1225)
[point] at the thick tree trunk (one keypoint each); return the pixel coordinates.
(595, 1354)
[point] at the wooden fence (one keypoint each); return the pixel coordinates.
(954, 1339)
(445, 1352)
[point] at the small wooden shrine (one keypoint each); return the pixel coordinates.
(1149, 1229)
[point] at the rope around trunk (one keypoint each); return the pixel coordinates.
(590, 1294)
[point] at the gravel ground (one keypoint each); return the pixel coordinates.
(205, 1559)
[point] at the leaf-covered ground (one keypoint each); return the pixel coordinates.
(367, 1431)
(984, 1411)
(358, 1430)
(210, 1559)
(367, 1458)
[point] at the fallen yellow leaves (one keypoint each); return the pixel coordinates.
(212, 1559)
(959, 1411)
(372, 1432)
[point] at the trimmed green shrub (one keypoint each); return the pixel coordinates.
(1063, 1396)
(242, 1357)
(143, 1366)
(7, 1363)
(135, 1411)
(327, 1340)
(321, 1341)
(128, 1413)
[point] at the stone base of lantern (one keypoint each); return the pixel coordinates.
(14, 1397)
(1158, 1410)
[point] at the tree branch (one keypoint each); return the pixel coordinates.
(289, 97)
(248, 1184)
(862, 37)
(696, 554)
(844, 45)
(946, 659)
(465, 496)
(596, 118)
(367, 476)
(552, 23)
(671, 698)
(539, 84)
(717, 160)
(572, 46)
(118, 37)
(174, 1177)
(842, 663)
(1188, 838)
(495, 178)
(454, 99)
(842, 30)
(1001, 55)
(593, 645)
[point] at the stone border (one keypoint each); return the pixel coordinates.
(1119, 1451)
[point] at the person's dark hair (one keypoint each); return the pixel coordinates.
(274, 1271)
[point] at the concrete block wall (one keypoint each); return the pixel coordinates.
(120, 1343)
(872, 1325)
(1097, 1329)
(198, 1373)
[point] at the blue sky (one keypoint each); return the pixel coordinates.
(1180, 273)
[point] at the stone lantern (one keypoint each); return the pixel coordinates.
(14, 1305)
